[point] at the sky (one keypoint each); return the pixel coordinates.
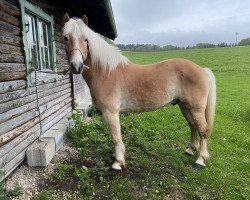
(181, 22)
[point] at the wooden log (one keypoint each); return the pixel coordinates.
(5, 48)
(13, 95)
(9, 19)
(55, 117)
(61, 52)
(12, 158)
(20, 147)
(49, 121)
(7, 137)
(59, 39)
(10, 76)
(9, 58)
(9, 38)
(60, 45)
(12, 126)
(11, 86)
(9, 167)
(9, 8)
(10, 114)
(10, 28)
(17, 121)
(4, 107)
(26, 107)
(54, 90)
(13, 143)
(12, 67)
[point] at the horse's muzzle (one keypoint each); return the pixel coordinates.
(76, 70)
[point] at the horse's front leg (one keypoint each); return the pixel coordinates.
(113, 122)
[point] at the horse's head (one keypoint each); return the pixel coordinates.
(76, 43)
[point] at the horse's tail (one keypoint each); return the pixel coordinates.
(211, 101)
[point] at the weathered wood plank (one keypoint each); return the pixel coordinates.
(9, 8)
(12, 85)
(9, 58)
(9, 38)
(55, 117)
(15, 126)
(13, 95)
(24, 136)
(54, 90)
(5, 48)
(10, 76)
(10, 28)
(9, 167)
(17, 121)
(29, 106)
(20, 147)
(12, 67)
(60, 45)
(9, 19)
(59, 39)
(4, 107)
(4, 139)
(61, 52)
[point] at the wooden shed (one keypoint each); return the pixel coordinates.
(34, 93)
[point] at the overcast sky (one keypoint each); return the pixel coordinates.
(180, 22)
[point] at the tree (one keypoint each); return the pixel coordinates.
(244, 42)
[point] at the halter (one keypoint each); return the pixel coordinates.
(82, 57)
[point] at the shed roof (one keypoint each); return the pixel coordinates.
(99, 13)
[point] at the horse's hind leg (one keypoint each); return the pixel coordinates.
(113, 122)
(202, 127)
(194, 145)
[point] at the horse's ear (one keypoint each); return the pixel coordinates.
(66, 18)
(85, 20)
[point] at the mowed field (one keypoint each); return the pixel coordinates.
(157, 167)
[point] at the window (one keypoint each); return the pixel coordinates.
(38, 40)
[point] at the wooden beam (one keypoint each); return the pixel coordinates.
(9, 19)
(9, 38)
(9, 8)
(10, 76)
(10, 28)
(11, 58)
(11, 86)
(6, 48)
(12, 67)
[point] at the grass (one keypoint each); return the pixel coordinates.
(156, 165)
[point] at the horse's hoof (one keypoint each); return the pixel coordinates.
(189, 152)
(198, 166)
(116, 166)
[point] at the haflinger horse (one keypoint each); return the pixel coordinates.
(118, 85)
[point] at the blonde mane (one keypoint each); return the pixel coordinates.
(103, 54)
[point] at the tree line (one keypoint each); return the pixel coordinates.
(153, 47)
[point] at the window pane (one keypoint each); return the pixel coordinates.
(45, 35)
(33, 56)
(30, 29)
(43, 29)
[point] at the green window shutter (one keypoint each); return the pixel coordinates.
(41, 17)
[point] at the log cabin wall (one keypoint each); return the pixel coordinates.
(21, 123)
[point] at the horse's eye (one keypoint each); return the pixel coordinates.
(65, 38)
(86, 40)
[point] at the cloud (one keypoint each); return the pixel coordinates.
(181, 22)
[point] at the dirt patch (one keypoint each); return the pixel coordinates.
(31, 179)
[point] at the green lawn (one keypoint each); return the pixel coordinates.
(157, 167)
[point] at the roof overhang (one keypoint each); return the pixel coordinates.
(99, 13)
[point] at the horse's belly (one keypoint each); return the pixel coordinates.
(143, 105)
